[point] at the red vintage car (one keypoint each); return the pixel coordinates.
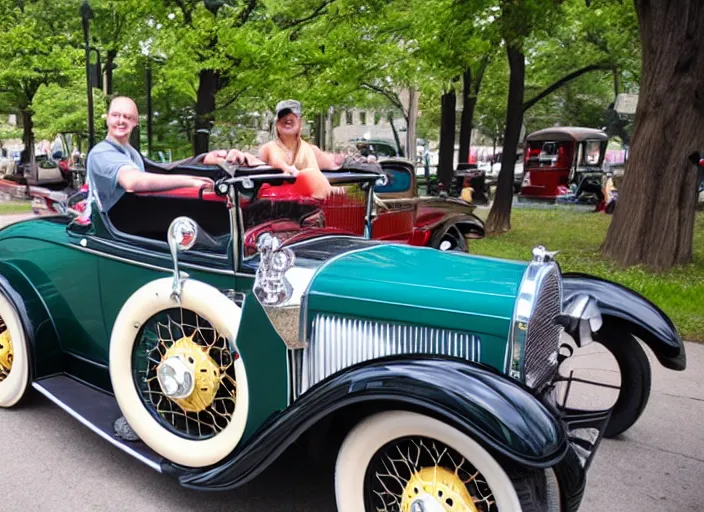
(562, 162)
(396, 214)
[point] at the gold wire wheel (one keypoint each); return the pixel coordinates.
(6, 352)
(420, 469)
(185, 340)
(206, 373)
(443, 486)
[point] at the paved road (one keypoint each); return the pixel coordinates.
(50, 462)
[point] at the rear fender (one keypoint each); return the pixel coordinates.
(632, 312)
(469, 225)
(44, 346)
(477, 400)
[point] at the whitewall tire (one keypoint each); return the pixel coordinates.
(224, 315)
(15, 382)
(371, 435)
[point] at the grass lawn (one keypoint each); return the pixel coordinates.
(7, 207)
(578, 235)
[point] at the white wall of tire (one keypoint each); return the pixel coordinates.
(225, 316)
(14, 386)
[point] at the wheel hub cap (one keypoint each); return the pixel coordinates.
(188, 375)
(436, 489)
(6, 354)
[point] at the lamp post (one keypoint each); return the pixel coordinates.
(86, 16)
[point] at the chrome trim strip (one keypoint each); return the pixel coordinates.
(153, 267)
(95, 429)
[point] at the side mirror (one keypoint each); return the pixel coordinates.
(581, 318)
(181, 236)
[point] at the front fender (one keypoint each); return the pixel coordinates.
(478, 401)
(632, 312)
(42, 337)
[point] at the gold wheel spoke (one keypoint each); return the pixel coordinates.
(414, 469)
(181, 334)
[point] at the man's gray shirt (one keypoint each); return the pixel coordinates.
(104, 161)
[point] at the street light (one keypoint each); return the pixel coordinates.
(86, 16)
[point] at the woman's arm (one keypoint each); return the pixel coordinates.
(329, 161)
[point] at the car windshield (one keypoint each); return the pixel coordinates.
(548, 153)
(592, 152)
(282, 211)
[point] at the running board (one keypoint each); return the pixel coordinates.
(97, 411)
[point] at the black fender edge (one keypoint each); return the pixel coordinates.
(491, 408)
(632, 312)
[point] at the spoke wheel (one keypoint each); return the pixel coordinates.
(423, 470)
(177, 374)
(14, 356)
(400, 461)
(7, 353)
(179, 347)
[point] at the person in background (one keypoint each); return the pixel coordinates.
(290, 153)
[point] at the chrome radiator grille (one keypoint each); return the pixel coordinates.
(337, 343)
(543, 334)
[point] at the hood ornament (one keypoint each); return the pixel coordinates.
(280, 300)
(542, 255)
(271, 286)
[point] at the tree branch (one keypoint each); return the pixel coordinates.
(392, 97)
(231, 100)
(246, 12)
(563, 81)
(320, 10)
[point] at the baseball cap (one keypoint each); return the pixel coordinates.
(286, 106)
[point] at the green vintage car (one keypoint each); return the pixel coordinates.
(435, 376)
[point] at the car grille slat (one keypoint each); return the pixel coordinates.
(337, 343)
(543, 334)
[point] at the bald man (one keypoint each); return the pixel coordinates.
(114, 167)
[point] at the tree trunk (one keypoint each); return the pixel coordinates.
(654, 220)
(395, 132)
(28, 136)
(109, 62)
(411, 143)
(617, 83)
(319, 130)
(447, 139)
(468, 104)
(499, 220)
(205, 106)
(470, 93)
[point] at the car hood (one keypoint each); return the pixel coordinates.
(426, 287)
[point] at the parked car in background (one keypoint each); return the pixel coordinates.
(564, 163)
(377, 147)
(436, 377)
